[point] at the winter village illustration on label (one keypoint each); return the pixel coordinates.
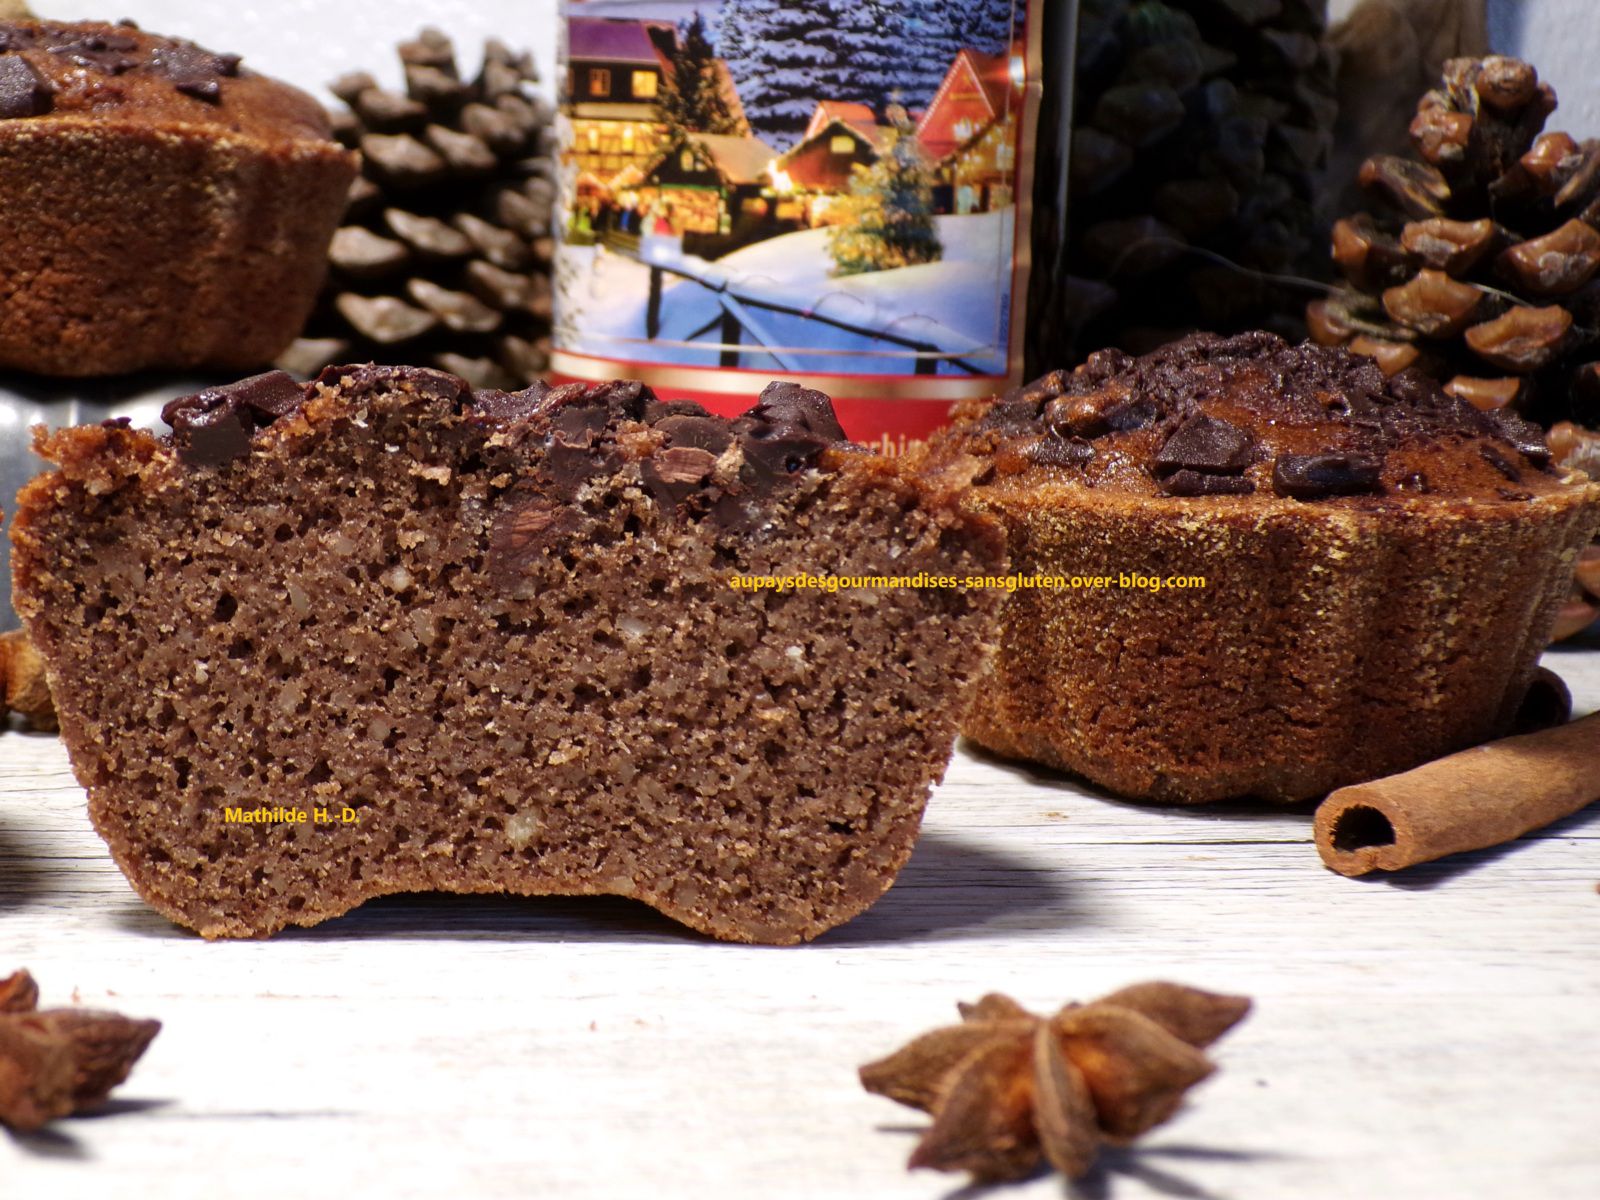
(805, 187)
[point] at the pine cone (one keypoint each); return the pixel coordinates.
(1576, 447)
(1201, 129)
(1479, 262)
(444, 257)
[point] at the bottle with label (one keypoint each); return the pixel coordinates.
(839, 195)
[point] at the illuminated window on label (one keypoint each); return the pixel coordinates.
(600, 81)
(842, 143)
(686, 160)
(627, 139)
(645, 84)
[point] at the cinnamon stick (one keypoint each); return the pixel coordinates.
(1478, 798)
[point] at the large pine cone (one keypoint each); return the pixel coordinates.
(444, 257)
(1200, 128)
(1574, 446)
(1479, 261)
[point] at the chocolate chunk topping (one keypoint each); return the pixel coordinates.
(190, 69)
(793, 406)
(784, 432)
(23, 92)
(1012, 414)
(1523, 434)
(1208, 445)
(193, 71)
(656, 410)
(506, 408)
(1257, 375)
(1058, 452)
(706, 433)
(213, 427)
(1185, 482)
(107, 53)
(1316, 476)
(1130, 415)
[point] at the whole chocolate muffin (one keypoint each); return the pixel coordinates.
(160, 206)
(382, 633)
(1292, 573)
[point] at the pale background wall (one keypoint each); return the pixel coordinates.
(309, 42)
(1561, 38)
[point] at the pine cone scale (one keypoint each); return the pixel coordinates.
(444, 255)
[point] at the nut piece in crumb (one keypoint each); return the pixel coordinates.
(61, 1060)
(1008, 1089)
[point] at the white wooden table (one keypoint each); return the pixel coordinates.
(1433, 1037)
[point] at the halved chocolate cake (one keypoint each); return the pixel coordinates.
(380, 634)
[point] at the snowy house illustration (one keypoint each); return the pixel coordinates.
(708, 187)
(970, 132)
(615, 70)
(840, 137)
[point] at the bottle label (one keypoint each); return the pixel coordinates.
(809, 190)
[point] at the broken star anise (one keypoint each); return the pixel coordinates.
(61, 1060)
(1007, 1088)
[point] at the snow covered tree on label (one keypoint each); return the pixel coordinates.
(890, 209)
(786, 55)
(776, 49)
(692, 96)
(931, 33)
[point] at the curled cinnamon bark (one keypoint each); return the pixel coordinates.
(1478, 798)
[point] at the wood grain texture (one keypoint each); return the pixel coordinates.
(1429, 1035)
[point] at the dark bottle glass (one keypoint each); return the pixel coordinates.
(1047, 337)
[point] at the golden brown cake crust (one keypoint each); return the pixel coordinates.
(1335, 638)
(159, 205)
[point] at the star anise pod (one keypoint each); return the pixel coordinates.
(61, 1060)
(1007, 1088)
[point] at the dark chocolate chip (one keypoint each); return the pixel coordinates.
(107, 53)
(1415, 388)
(506, 408)
(1131, 415)
(1417, 481)
(707, 433)
(1500, 463)
(1524, 435)
(1316, 476)
(771, 454)
(1185, 482)
(628, 398)
(803, 408)
(1103, 365)
(1012, 414)
(23, 91)
(1058, 452)
(580, 423)
(567, 466)
(213, 427)
(1209, 445)
(658, 410)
